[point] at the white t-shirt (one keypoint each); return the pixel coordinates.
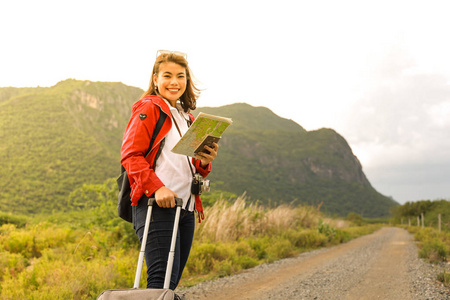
(171, 168)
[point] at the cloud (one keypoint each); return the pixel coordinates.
(411, 182)
(402, 124)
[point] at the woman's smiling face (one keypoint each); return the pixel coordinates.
(171, 81)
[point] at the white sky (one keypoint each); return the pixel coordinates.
(378, 72)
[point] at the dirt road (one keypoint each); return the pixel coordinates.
(376, 266)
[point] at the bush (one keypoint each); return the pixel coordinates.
(355, 219)
(425, 234)
(32, 241)
(18, 221)
(433, 245)
(12, 264)
(278, 248)
(308, 239)
(434, 250)
(326, 229)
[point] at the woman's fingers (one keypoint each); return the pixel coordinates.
(206, 158)
(165, 198)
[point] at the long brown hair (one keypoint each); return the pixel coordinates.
(189, 98)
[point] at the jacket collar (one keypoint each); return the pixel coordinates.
(160, 102)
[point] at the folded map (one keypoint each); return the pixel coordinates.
(205, 130)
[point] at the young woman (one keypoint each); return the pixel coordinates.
(163, 174)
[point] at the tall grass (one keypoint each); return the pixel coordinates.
(230, 221)
(62, 261)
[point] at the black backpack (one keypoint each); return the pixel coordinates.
(124, 197)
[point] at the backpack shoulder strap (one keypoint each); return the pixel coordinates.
(158, 126)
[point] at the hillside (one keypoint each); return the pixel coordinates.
(55, 139)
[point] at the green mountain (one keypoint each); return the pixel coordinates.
(56, 139)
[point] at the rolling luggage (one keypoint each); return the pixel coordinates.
(149, 294)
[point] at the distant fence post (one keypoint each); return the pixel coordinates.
(439, 221)
(423, 220)
(409, 222)
(418, 221)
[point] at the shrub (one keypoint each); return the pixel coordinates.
(433, 245)
(259, 246)
(434, 250)
(12, 264)
(18, 221)
(205, 257)
(326, 229)
(32, 241)
(226, 268)
(245, 261)
(308, 239)
(355, 219)
(279, 248)
(425, 234)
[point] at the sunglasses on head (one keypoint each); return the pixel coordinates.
(182, 54)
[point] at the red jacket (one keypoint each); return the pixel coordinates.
(136, 141)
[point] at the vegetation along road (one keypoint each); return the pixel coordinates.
(383, 265)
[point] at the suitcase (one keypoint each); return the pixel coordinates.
(149, 294)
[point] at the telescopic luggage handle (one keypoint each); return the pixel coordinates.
(178, 201)
(151, 201)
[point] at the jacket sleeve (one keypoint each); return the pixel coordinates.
(198, 166)
(136, 142)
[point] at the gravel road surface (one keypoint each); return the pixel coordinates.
(383, 265)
